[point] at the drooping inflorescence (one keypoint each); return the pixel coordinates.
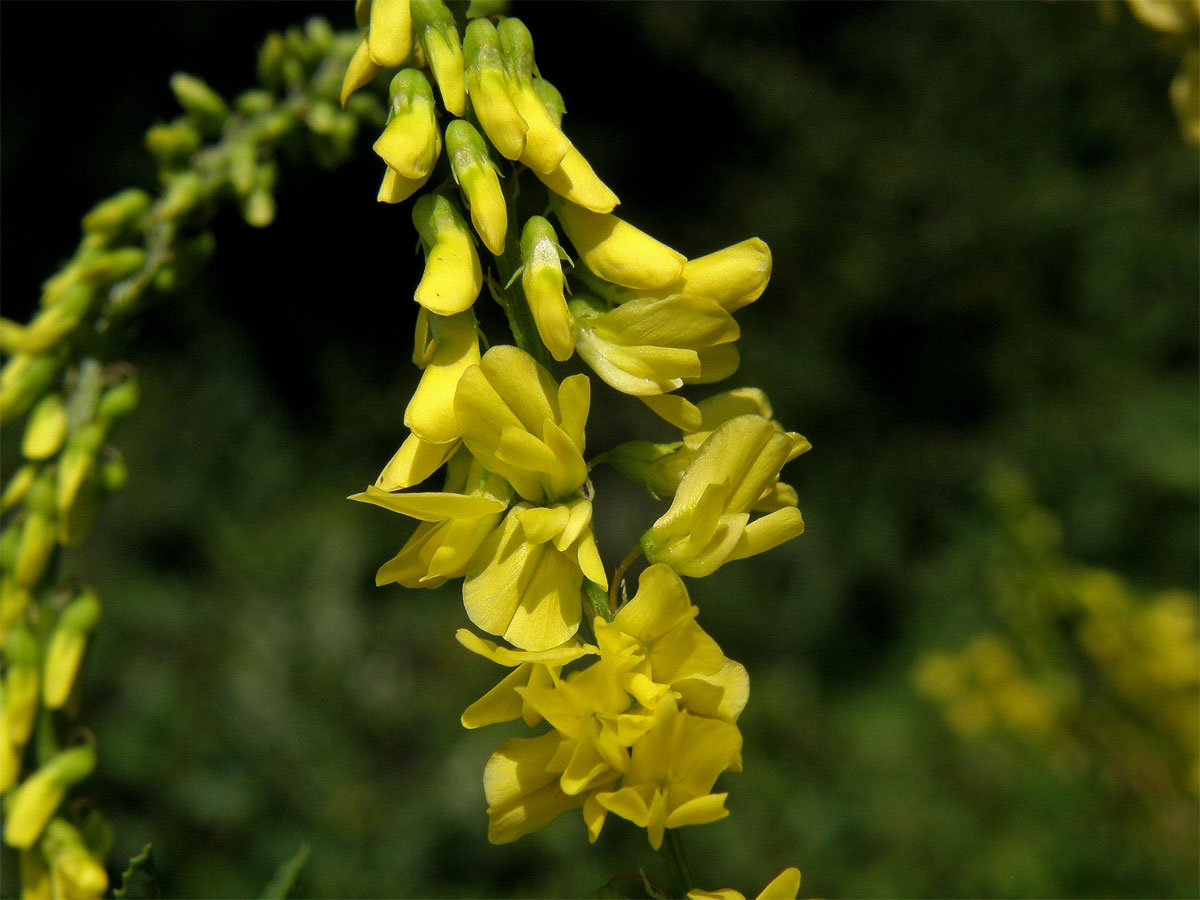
(639, 703)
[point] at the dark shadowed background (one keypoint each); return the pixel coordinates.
(984, 229)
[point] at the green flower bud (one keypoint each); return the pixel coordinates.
(11, 335)
(258, 209)
(118, 401)
(435, 29)
(476, 175)
(322, 117)
(659, 467)
(411, 140)
(113, 474)
(174, 143)
(71, 862)
(242, 162)
(182, 195)
(254, 103)
(37, 798)
(55, 322)
(10, 771)
(64, 651)
(20, 686)
(24, 378)
(201, 101)
(117, 212)
(45, 429)
(14, 601)
(37, 533)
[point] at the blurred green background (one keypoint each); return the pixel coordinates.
(984, 226)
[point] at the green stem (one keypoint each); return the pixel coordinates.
(509, 292)
(679, 873)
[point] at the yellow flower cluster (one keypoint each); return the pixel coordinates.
(643, 721)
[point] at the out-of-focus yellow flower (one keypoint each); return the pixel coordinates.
(487, 87)
(74, 872)
(666, 649)
(542, 284)
(453, 276)
(389, 32)
(454, 521)
(617, 251)
(411, 140)
(708, 523)
(476, 175)
(38, 796)
(433, 24)
(522, 425)
(64, 650)
(784, 886)
(523, 583)
(653, 346)
(672, 769)
(539, 668)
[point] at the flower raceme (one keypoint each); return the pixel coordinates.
(639, 702)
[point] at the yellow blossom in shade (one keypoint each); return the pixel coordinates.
(389, 32)
(411, 140)
(488, 89)
(545, 144)
(453, 276)
(455, 522)
(523, 791)
(617, 251)
(437, 35)
(709, 523)
(542, 283)
(524, 426)
(530, 669)
(360, 72)
(672, 769)
(476, 174)
(451, 344)
(659, 626)
(784, 886)
(653, 346)
(524, 581)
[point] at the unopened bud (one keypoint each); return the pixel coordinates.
(476, 175)
(77, 460)
(11, 335)
(71, 862)
(55, 322)
(173, 143)
(659, 467)
(542, 282)
(545, 144)
(411, 140)
(21, 684)
(182, 195)
(39, 795)
(45, 429)
(24, 378)
(37, 533)
(117, 212)
(254, 102)
(201, 101)
(434, 26)
(453, 276)
(488, 90)
(17, 487)
(64, 652)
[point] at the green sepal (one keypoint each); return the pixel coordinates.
(140, 881)
(285, 876)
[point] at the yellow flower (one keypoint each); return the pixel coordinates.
(453, 277)
(538, 668)
(542, 283)
(784, 886)
(615, 250)
(545, 144)
(445, 347)
(574, 179)
(522, 425)
(476, 174)
(438, 36)
(411, 141)
(454, 524)
(653, 346)
(672, 769)
(360, 72)
(709, 523)
(32, 804)
(389, 34)
(487, 87)
(671, 651)
(732, 277)
(524, 581)
(73, 869)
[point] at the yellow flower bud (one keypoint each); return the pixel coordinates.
(53, 323)
(453, 276)
(10, 764)
(545, 144)
(118, 401)
(35, 876)
(616, 251)
(76, 462)
(14, 601)
(20, 686)
(37, 533)
(395, 188)
(360, 72)
(72, 865)
(438, 36)
(487, 87)
(38, 796)
(18, 486)
(542, 282)
(12, 334)
(389, 33)
(116, 212)
(64, 652)
(201, 101)
(411, 140)
(476, 175)
(46, 428)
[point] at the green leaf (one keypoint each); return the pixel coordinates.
(285, 876)
(140, 881)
